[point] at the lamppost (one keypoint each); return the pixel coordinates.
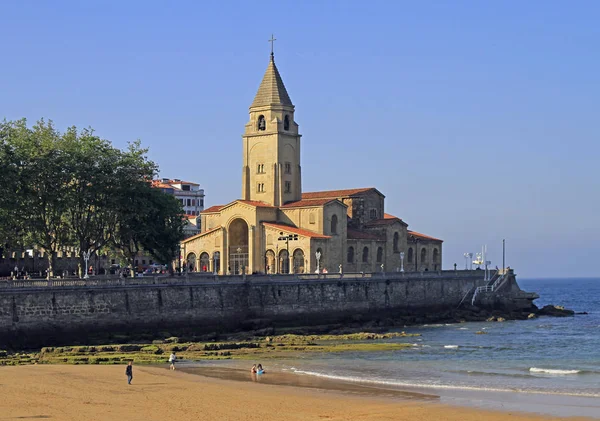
(287, 239)
(468, 257)
(86, 258)
(239, 250)
(318, 256)
(401, 261)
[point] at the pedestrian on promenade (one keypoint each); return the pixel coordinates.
(129, 372)
(172, 360)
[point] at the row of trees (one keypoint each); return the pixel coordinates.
(76, 189)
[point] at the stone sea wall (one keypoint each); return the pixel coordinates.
(42, 313)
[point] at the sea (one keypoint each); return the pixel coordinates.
(547, 365)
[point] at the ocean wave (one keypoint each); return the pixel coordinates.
(442, 386)
(553, 371)
(451, 346)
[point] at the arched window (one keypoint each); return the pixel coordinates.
(284, 262)
(334, 222)
(435, 255)
(379, 254)
(204, 262)
(410, 255)
(365, 257)
(286, 123)
(396, 240)
(298, 261)
(350, 254)
(423, 255)
(261, 124)
(270, 263)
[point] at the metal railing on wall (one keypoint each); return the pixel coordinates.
(203, 277)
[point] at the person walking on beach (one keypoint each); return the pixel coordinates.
(253, 369)
(129, 372)
(172, 360)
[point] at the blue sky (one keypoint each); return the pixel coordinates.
(478, 120)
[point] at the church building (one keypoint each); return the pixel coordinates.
(277, 228)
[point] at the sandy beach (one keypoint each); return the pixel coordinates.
(75, 393)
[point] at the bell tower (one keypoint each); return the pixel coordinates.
(271, 144)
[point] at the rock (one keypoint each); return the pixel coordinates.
(582, 312)
(555, 311)
(500, 319)
(532, 316)
(491, 319)
(481, 332)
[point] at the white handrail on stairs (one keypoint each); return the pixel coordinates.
(487, 288)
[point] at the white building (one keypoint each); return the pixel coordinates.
(189, 194)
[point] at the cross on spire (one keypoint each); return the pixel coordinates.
(272, 41)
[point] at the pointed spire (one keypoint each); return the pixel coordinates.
(271, 89)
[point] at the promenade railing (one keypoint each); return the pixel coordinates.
(203, 277)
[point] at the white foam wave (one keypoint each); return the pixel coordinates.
(463, 328)
(451, 346)
(553, 371)
(442, 386)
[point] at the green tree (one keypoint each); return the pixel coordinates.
(150, 221)
(43, 185)
(75, 189)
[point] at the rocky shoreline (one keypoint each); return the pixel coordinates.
(355, 335)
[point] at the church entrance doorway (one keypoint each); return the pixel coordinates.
(238, 247)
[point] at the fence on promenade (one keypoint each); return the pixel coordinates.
(200, 278)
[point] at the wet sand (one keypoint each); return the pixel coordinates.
(74, 393)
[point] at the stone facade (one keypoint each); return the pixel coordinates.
(277, 228)
(43, 315)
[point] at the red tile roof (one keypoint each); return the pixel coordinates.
(387, 220)
(160, 185)
(191, 216)
(215, 208)
(423, 236)
(294, 230)
(193, 237)
(364, 235)
(305, 203)
(183, 182)
(335, 193)
(256, 203)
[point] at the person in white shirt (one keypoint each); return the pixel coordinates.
(172, 360)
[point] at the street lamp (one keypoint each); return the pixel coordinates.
(401, 261)
(468, 257)
(318, 256)
(86, 258)
(287, 239)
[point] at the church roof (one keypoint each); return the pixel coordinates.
(254, 203)
(271, 89)
(294, 230)
(336, 193)
(193, 237)
(423, 236)
(215, 208)
(307, 203)
(363, 235)
(387, 220)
